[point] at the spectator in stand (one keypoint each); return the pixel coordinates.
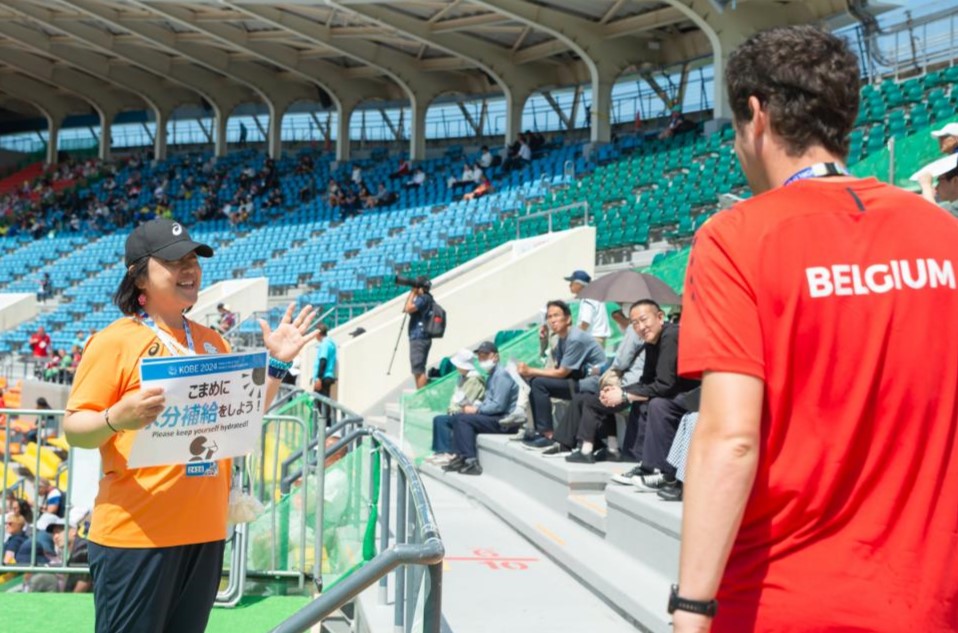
(465, 179)
(677, 124)
(588, 420)
(334, 194)
(79, 551)
(45, 288)
(418, 178)
(51, 498)
(664, 417)
(498, 400)
(486, 158)
(593, 317)
(484, 188)
(324, 371)
(522, 157)
(80, 339)
(14, 536)
(226, 320)
(404, 169)
(573, 357)
(357, 175)
(659, 379)
(947, 138)
(945, 193)
(470, 388)
(40, 343)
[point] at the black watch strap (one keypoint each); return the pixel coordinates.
(701, 607)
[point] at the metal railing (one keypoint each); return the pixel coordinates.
(416, 553)
(413, 556)
(550, 213)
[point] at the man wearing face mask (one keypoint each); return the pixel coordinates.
(500, 398)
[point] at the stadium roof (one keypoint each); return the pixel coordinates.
(105, 57)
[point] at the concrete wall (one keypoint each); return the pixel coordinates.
(15, 308)
(492, 292)
(243, 296)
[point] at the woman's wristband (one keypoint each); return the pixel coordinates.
(277, 368)
(106, 418)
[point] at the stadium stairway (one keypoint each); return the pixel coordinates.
(498, 579)
(620, 544)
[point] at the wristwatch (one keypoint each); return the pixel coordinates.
(678, 603)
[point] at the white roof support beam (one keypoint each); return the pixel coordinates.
(320, 73)
(726, 30)
(53, 105)
(605, 58)
(272, 90)
(222, 94)
(150, 88)
(648, 21)
(420, 88)
(106, 101)
(497, 62)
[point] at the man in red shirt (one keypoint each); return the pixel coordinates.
(40, 343)
(822, 488)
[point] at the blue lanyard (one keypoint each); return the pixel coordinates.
(818, 170)
(146, 320)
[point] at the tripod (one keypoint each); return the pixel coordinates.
(402, 326)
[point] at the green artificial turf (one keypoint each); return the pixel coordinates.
(73, 613)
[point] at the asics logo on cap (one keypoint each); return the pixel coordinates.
(177, 229)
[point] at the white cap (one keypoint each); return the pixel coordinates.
(951, 129)
(463, 359)
(47, 519)
(939, 167)
(77, 515)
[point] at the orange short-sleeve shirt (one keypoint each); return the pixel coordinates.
(145, 507)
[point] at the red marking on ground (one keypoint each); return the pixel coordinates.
(495, 558)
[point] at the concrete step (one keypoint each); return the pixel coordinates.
(551, 479)
(589, 509)
(630, 586)
(644, 526)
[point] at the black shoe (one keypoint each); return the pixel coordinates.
(457, 464)
(471, 467)
(603, 454)
(578, 457)
(672, 491)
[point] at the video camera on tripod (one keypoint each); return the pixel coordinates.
(419, 282)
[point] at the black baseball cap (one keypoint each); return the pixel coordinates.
(487, 347)
(164, 239)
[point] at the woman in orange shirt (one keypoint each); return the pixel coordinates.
(157, 535)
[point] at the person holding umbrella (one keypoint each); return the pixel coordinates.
(593, 318)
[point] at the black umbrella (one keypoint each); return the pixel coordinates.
(628, 286)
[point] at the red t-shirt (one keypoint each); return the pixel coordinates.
(40, 345)
(841, 296)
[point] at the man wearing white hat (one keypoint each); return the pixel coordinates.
(470, 389)
(947, 138)
(946, 192)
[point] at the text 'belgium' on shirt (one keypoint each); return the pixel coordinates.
(897, 274)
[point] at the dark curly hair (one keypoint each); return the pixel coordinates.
(807, 79)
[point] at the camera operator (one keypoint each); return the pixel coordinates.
(418, 305)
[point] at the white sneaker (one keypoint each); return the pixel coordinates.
(653, 482)
(626, 478)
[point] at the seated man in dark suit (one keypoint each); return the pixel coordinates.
(660, 379)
